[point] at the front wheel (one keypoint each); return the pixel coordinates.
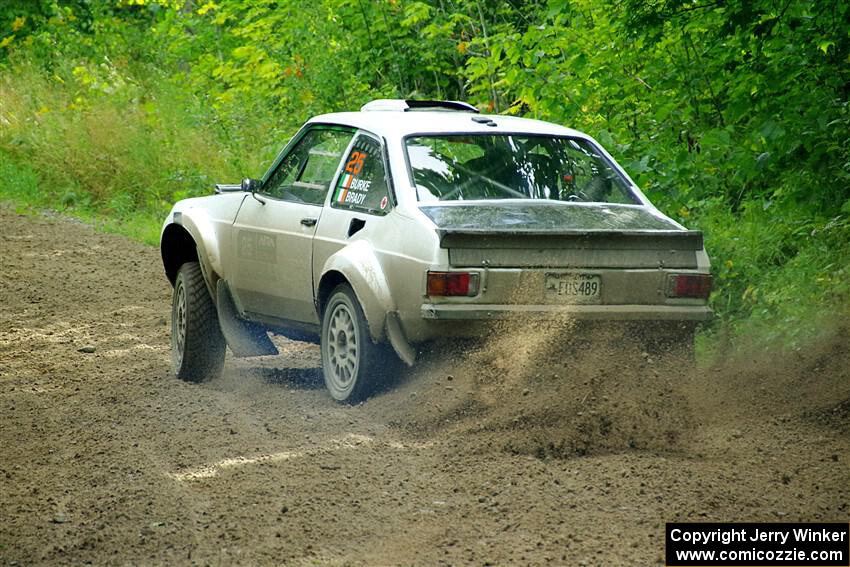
(351, 362)
(197, 345)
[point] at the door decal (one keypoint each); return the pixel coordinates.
(350, 189)
(257, 246)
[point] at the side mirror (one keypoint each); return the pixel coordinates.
(251, 185)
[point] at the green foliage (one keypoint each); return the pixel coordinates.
(732, 116)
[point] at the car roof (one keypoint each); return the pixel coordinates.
(397, 123)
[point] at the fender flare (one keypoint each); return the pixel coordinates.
(359, 265)
(200, 229)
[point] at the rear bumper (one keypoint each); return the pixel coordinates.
(448, 312)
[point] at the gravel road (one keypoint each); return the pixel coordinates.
(509, 453)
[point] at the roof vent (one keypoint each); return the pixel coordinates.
(409, 105)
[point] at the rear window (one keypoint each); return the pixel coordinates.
(483, 167)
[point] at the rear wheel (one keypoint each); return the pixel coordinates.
(351, 362)
(197, 345)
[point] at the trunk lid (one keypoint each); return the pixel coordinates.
(562, 235)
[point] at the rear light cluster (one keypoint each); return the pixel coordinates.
(696, 286)
(452, 284)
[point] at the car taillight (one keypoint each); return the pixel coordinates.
(690, 285)
(452, 283)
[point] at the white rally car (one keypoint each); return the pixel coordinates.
(373, 232)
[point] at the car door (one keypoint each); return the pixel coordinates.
(273, 231)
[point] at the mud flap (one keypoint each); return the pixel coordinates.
(243, 337)
(399, 340)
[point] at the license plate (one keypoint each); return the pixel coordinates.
(573, 288)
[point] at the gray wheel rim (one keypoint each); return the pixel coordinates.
(179, 321)
(343, 348)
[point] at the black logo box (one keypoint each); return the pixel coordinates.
(788, 543)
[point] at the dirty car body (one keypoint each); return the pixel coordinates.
(408, 222)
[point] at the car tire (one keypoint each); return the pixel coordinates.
(351, 363)
(197, 345)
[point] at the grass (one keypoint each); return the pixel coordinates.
(23, 190)
(116, 145)
(782, 275)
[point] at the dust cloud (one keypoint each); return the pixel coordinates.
(551, 389)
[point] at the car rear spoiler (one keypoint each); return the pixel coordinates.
(561, 238)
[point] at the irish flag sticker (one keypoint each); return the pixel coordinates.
(384, 203)
(344, 184)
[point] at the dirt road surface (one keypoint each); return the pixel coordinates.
(512, 453)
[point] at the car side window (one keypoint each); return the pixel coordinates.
(362, 185)
(305, 174)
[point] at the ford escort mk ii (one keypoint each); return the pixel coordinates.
(374, 232)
